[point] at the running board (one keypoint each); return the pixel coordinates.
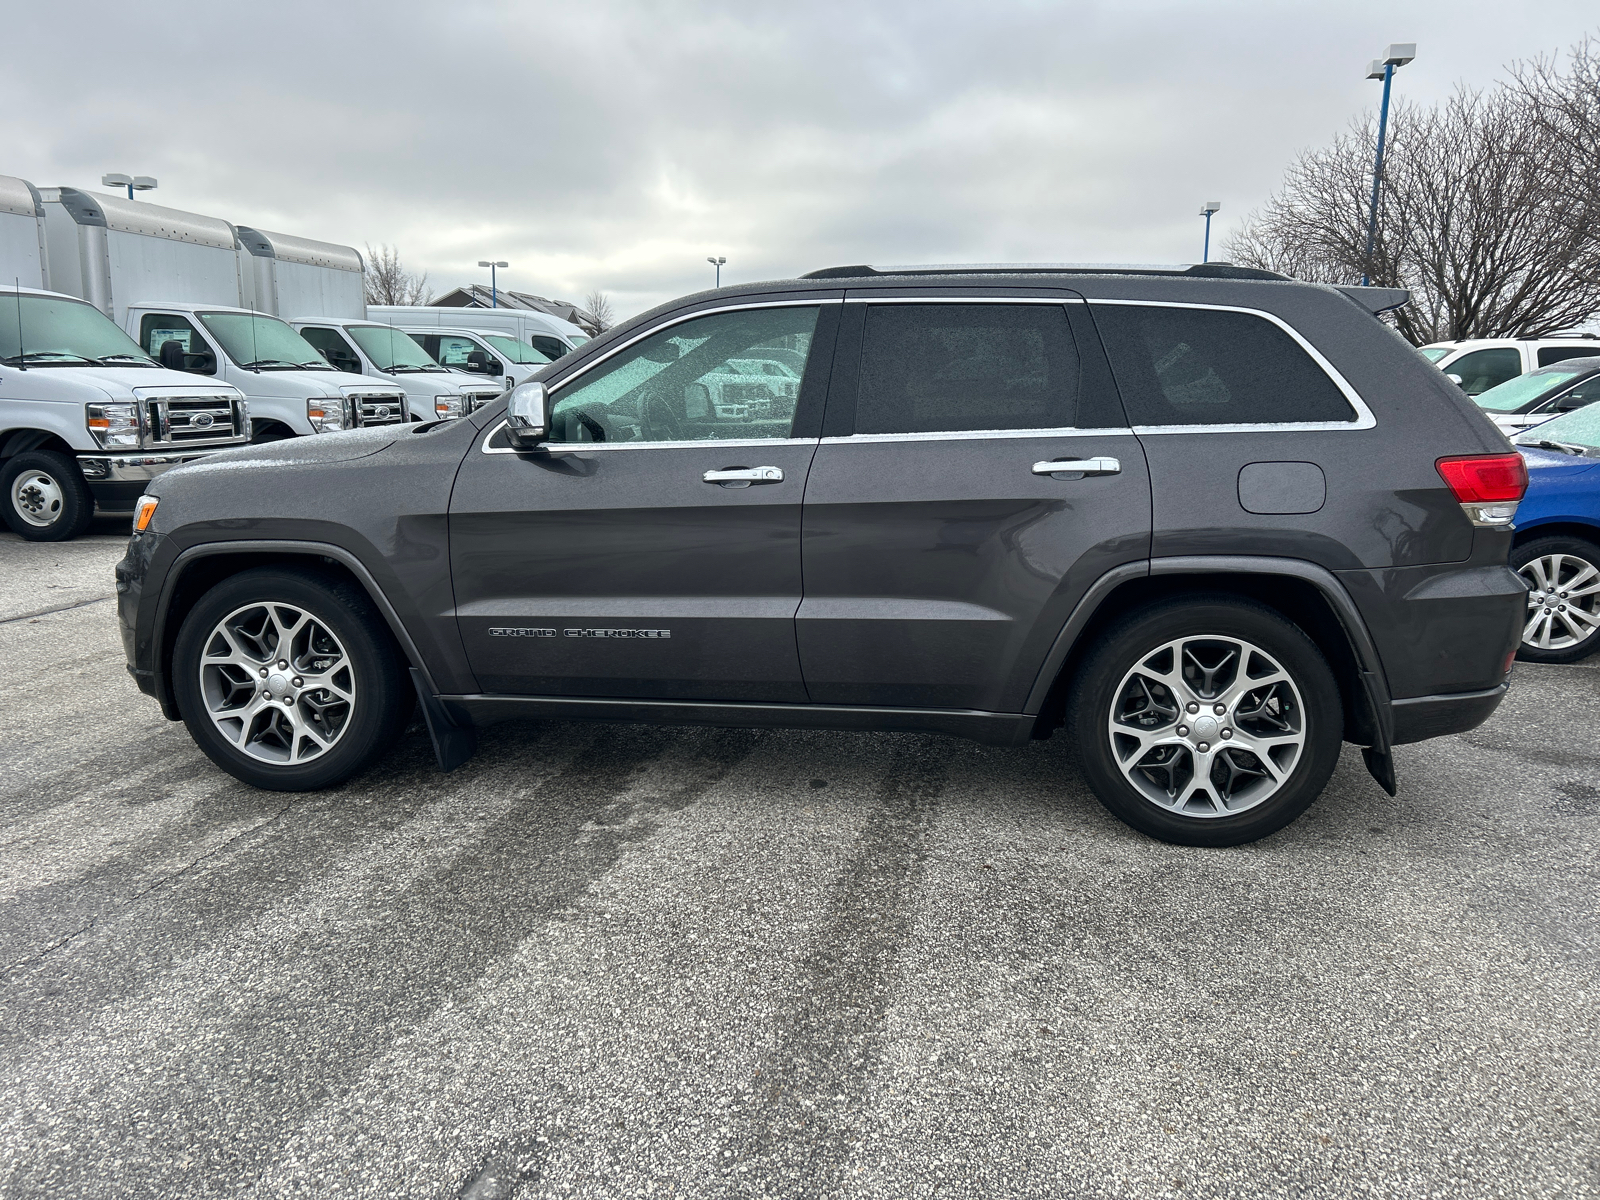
(452, 744)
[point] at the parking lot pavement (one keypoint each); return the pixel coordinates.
(621, 961)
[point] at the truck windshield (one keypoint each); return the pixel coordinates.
(58, 332)
(263, 342)
(1526, 391)
(517, 352)
(1435, 353)
(390, 349)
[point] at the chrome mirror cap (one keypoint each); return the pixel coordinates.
(528, 416)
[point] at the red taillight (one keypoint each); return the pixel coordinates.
(1485, 478)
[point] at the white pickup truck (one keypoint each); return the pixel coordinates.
(1479, 364)
(86, 418)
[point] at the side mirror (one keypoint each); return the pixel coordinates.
(528, 416)
(172, 355)
(478, 362)
(1455, 379)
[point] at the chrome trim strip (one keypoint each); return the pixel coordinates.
(1364, 418)
(586, 447)
(975, 434)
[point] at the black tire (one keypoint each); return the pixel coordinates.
(1559, 560)
(269, 431)
(46, 499)
(383, 697)
(1240, 799)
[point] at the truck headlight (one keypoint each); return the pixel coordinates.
(114, 426)
(447, 408)
(329, 413)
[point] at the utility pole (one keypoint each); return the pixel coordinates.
(1398, 55)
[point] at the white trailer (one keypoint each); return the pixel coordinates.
(24, 258)
(297, 278)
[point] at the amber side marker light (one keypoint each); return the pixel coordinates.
(143, 511)
(1487, 486)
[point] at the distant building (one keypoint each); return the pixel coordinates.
(477, 295)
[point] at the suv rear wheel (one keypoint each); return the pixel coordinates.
(288, 680)
(1563, 576)
(45, 496)
(1206, 721)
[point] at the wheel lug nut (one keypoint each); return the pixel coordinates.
(298, 682)
(1193, 707)
(1220, 709)
(1204, 747)
(263, 672)
(282, 665)
(1227, 733)
(1183, 731)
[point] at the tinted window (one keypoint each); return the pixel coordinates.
(157, 329)
(690, 382)
(1555, 354)
(1195, 366)
(333, 348)
(937, 368)
(1484, 369)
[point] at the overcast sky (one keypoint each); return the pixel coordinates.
(611, 145)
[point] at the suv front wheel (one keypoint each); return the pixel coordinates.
(1206, 721)
(289, 680)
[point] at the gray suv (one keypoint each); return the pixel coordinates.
(1212, 522)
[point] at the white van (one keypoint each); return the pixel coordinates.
(292, 389)
(474, 352)
(1482, 363)
(551, 336)
(362, 347)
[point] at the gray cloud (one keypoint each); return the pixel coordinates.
(615, 145)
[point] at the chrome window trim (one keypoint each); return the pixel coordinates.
(962, 435)
(963, 299)
(586, 447)
(639, 337)
(1364, 418)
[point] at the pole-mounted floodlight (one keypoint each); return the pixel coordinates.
(494, 291)
(1206, 209)
(134, 183)
(1398, 55)
(717, 262)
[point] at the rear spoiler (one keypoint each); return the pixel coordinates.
(1376, 299)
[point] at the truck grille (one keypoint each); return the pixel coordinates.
(476, 400)
(381, 408)
(194, 420)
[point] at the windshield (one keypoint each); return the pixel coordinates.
(1525, 391)
(1580, 427)
(257, 340)
(1435, 353)
(63, 332)
(389, 348)
(517, 352)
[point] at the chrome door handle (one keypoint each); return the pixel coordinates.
(1078, 467)
(740, 477)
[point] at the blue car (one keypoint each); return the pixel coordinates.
(1557, 547)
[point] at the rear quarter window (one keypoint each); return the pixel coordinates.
(1197, 366)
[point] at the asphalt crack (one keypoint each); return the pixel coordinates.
(45, 612)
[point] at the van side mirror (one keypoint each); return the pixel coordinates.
(478, 362)
(172, 355)
(528, 416)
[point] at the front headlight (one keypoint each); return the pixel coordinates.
(328, 414)
(448, 408)
(114, 426)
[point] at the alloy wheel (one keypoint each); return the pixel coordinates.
(1563, 601)
(37, 498)
(277, 683)
(1207, 726)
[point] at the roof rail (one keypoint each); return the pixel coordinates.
(1212, 270)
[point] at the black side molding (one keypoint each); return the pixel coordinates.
(452, 744)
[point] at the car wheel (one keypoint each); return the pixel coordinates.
(289, 680)
(1206, 721)
(1563, 576)
(46, 497)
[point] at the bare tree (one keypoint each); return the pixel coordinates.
(599, 306)
(388, 282)
(1469, 219)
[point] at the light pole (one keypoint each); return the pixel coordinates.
(494, 291)
(717, 263)
(134, 183)
(1398, 55)
(1206, 209)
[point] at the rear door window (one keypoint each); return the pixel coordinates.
(1484, 369)
(1197, 366)
(1555, 354)
(941, 368)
